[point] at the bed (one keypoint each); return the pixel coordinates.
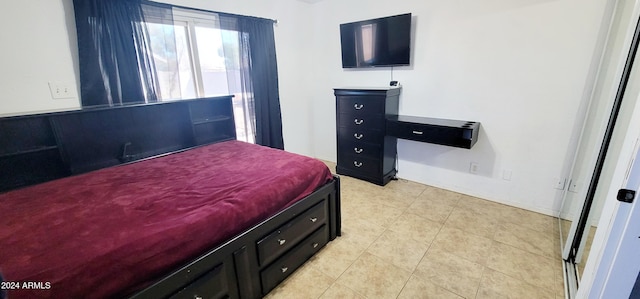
(229, 219)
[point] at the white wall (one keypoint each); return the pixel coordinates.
(518, 67)
(44, 49)
(38, 47)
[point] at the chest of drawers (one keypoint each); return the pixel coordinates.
(364, 149)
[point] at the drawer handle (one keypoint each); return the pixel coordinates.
(357, 164)
(315, 245)
(357, 136)
(281, 241)
(313, 219)
(417, 132)
(358, 121)
(284, 269)
(357, 150)
(358, 107)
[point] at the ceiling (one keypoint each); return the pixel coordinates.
(310, 1)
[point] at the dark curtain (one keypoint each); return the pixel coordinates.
(260, 78)
(114, 68)
(116, 63)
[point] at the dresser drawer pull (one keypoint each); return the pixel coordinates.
(358, 136)
(284, 269)
(358, 121)
(281, 241)
(313, 219)
(357, 164)
(315, 245)
(358, 107)
(357, 150)
(417, 132)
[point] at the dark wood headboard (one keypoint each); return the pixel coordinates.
(43, 147)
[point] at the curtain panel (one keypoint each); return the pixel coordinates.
(259, 42)
(116, 59)
(114, 68)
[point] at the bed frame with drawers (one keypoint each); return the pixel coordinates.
(256, 261)
(43, 147)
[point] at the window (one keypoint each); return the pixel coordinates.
(368, 43)
(194, 57)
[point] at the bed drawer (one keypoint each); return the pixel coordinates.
(288, 235)
(213, 284)
(283, 267)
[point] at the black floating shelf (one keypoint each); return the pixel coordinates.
(456, 133)
(217, 138)
(29, 151)
(210, 120)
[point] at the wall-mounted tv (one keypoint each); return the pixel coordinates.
(376, 42)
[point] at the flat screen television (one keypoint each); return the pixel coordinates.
(376, 42)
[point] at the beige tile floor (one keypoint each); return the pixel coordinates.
(408, 240)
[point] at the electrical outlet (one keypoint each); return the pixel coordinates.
(61, 90)
(573, 186)
(473, 168)
(506, 174)
(560, 183)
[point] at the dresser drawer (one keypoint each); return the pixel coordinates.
(288, 263)
(360, 135)
(360, 104)
(286, 236)
(359, 115)
(371, 122)
(359, 148)
(363, 165)
(433, 130)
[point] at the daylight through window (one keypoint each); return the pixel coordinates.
(194, 57)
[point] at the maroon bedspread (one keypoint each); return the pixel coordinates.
(113, 231)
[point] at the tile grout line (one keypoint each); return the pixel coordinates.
(425, 253)
(484, 269)
(356, 259)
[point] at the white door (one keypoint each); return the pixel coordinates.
(624, 243)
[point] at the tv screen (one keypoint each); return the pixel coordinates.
(377, 42)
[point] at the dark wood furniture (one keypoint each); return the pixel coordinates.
(43, 147)
(368, 126)
(456, 133)
(256, 261)
(365, 151)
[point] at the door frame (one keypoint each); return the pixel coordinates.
(623, 243)
(601, 275)
(618, 266)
